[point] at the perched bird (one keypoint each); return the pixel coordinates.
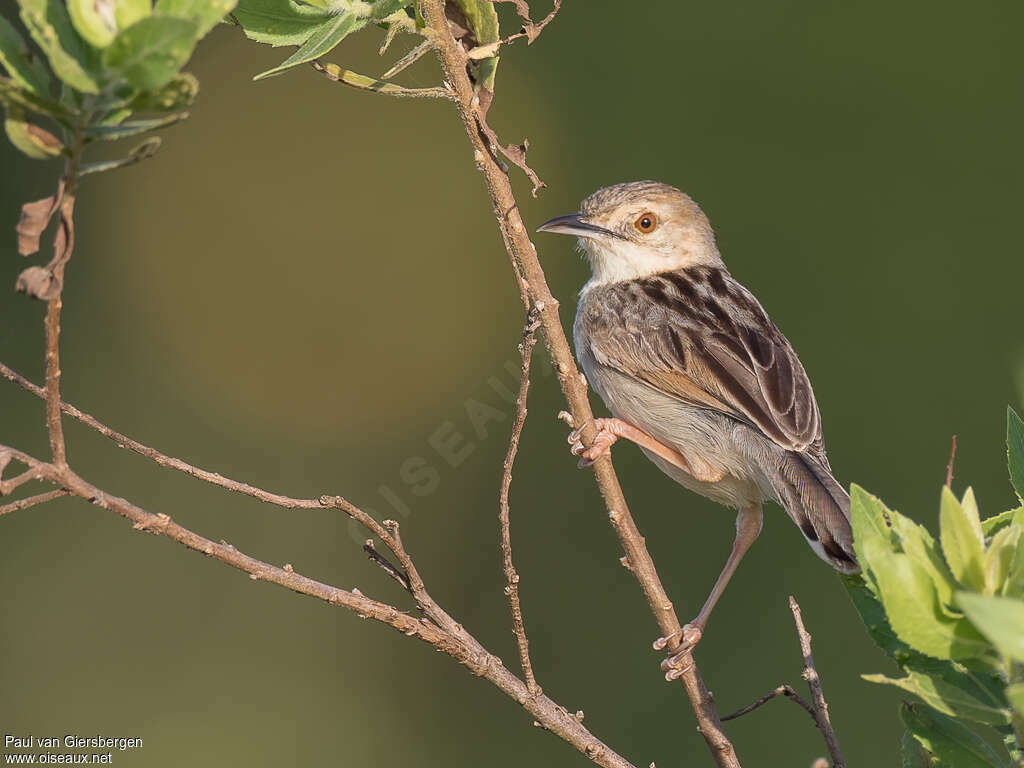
(696, 373)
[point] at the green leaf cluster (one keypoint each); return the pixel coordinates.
(950, 613)
(316, 27)
(78, 70)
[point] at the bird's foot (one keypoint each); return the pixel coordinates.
(607, 435)
(679, 661)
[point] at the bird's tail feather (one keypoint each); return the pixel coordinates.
(820, 506)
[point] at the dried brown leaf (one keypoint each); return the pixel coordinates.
(33, 222)
(39, 283)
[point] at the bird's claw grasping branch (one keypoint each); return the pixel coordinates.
(527, 267)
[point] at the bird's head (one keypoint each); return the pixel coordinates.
(640, 228)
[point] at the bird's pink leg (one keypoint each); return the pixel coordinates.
(748, 526)
(610, 430)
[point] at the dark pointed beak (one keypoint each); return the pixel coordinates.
(574, 224)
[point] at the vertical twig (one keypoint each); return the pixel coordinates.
(511, 575)
(64, 245)
(810, 674)
(949, 467)
(524, 259)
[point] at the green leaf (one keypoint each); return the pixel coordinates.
(963, 543)
(279, 22)
(205, 13)
(952, 743)
(1000, 619)
(323, 39)
(21, 65)
(999, 558)
(179, 93)
(134, 128)
(115, 117)
(996, 523)
(50, 26)
(149, 53)
(868, 605)
(482, 18)
(912, 604)
(946, 698)
(32, 140)
(94, 20)
(977, 679)
(384, 8)
(127, 12)
(1015, 450)
(913, 754)
(1014, 584)
(1015, 695)
(145, 150)
(902, 567)
(11, 96)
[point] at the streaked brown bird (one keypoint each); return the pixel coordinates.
(696, 373)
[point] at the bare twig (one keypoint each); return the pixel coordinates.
(9, 486)
(336, 74)
(782, 690)
(511, 575)
(163, 459)
(550, 715)
(387, 565)
(524, 259)
(437, 628)
(949, 467)
(408, 60)
(64, 246)
(31, 501)
(810, 674)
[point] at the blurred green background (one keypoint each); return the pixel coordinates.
(305, 289)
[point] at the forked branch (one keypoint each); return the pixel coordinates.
(436, 627)
(817, 708)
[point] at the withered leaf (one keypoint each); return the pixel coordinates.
(39, 283)
(34, 219)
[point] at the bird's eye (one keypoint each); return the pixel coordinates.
(646, 222)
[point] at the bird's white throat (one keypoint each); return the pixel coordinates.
(614, 260)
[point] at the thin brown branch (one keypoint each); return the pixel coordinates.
(336, 74)
(511, 575)
(10, 486)
(387, 532)
(417, 53)
(526, 264)
(782, 690)
(64, 246)
(163, 459)
(31, 501)
(387, 565)
(949, 467)
(810, 674)
(437, 628)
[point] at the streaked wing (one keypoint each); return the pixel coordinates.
(698, 335)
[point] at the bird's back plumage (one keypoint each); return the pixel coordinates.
(690, 357)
